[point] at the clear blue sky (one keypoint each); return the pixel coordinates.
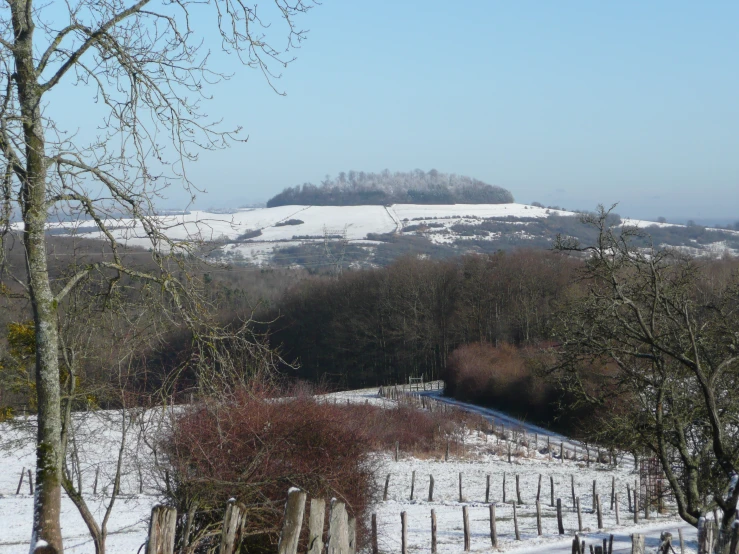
(569, 103)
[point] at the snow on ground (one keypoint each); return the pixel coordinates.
(488, 456)
(257, 235)
(98, 437)
(354, 222)
(429, 211)
(99, 434)
(474, 472)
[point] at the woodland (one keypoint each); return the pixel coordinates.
(414, 187)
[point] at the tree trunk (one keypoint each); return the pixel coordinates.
(47, 496)
(723, 542)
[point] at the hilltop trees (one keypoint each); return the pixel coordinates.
(414, 187)
(651, 343)
(142, 65)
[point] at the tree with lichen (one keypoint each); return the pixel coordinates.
(145, 67)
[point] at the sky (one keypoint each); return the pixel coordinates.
(570, 103)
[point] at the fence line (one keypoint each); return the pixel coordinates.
(516, 434)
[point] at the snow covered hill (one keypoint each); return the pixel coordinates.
(375, 234)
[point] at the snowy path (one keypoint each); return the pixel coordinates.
(398, 224)
(572, 448)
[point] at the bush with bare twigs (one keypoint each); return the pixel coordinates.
(261, 441)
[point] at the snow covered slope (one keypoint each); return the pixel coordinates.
(483, 455)
(372, 235)
(532, 468)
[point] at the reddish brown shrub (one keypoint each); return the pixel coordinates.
(253, 448)
(261, 442)
(500, 377)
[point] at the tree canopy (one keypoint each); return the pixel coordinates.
(414, 187)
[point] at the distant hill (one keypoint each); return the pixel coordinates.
(357, 188)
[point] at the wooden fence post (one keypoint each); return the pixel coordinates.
(493, 530)
(613, 490)
(433, 532)
(618, 517)
(387, 484)
(549, 447)
(293, 522)
(610, 544)
(161, 530)
(579, 516)
(560, 524)
(665, 546)
(504, 487)
(647, 500)
(562, 452)
(446, 455)
(487, 489)
(403, 533)
(551, 488)
(682, 542)
(466, 525)
(20, 482)
(637, 543)
(515, 523)
(231, 525)
(518, 490)
(375, 550)
(397, 450)
(30, 481)
(316, 520)
(636, 507)
(509, 452)
(628, 493)
(538, 489)
(538, 518)
(413, 483)
(461, 498)
(598, 511)
(431, 488)
(337, 541)
(572, 486)
(595, 493)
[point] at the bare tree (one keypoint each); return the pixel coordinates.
(147, 69)
(651, 345)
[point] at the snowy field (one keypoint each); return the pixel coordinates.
(99, 435)
(260, 236)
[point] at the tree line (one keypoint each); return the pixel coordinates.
(382, 325)
(414, 187)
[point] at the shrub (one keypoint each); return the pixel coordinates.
(254, 448)
(250, 234)
(289, 222)
(501, 377)
(262, 441)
